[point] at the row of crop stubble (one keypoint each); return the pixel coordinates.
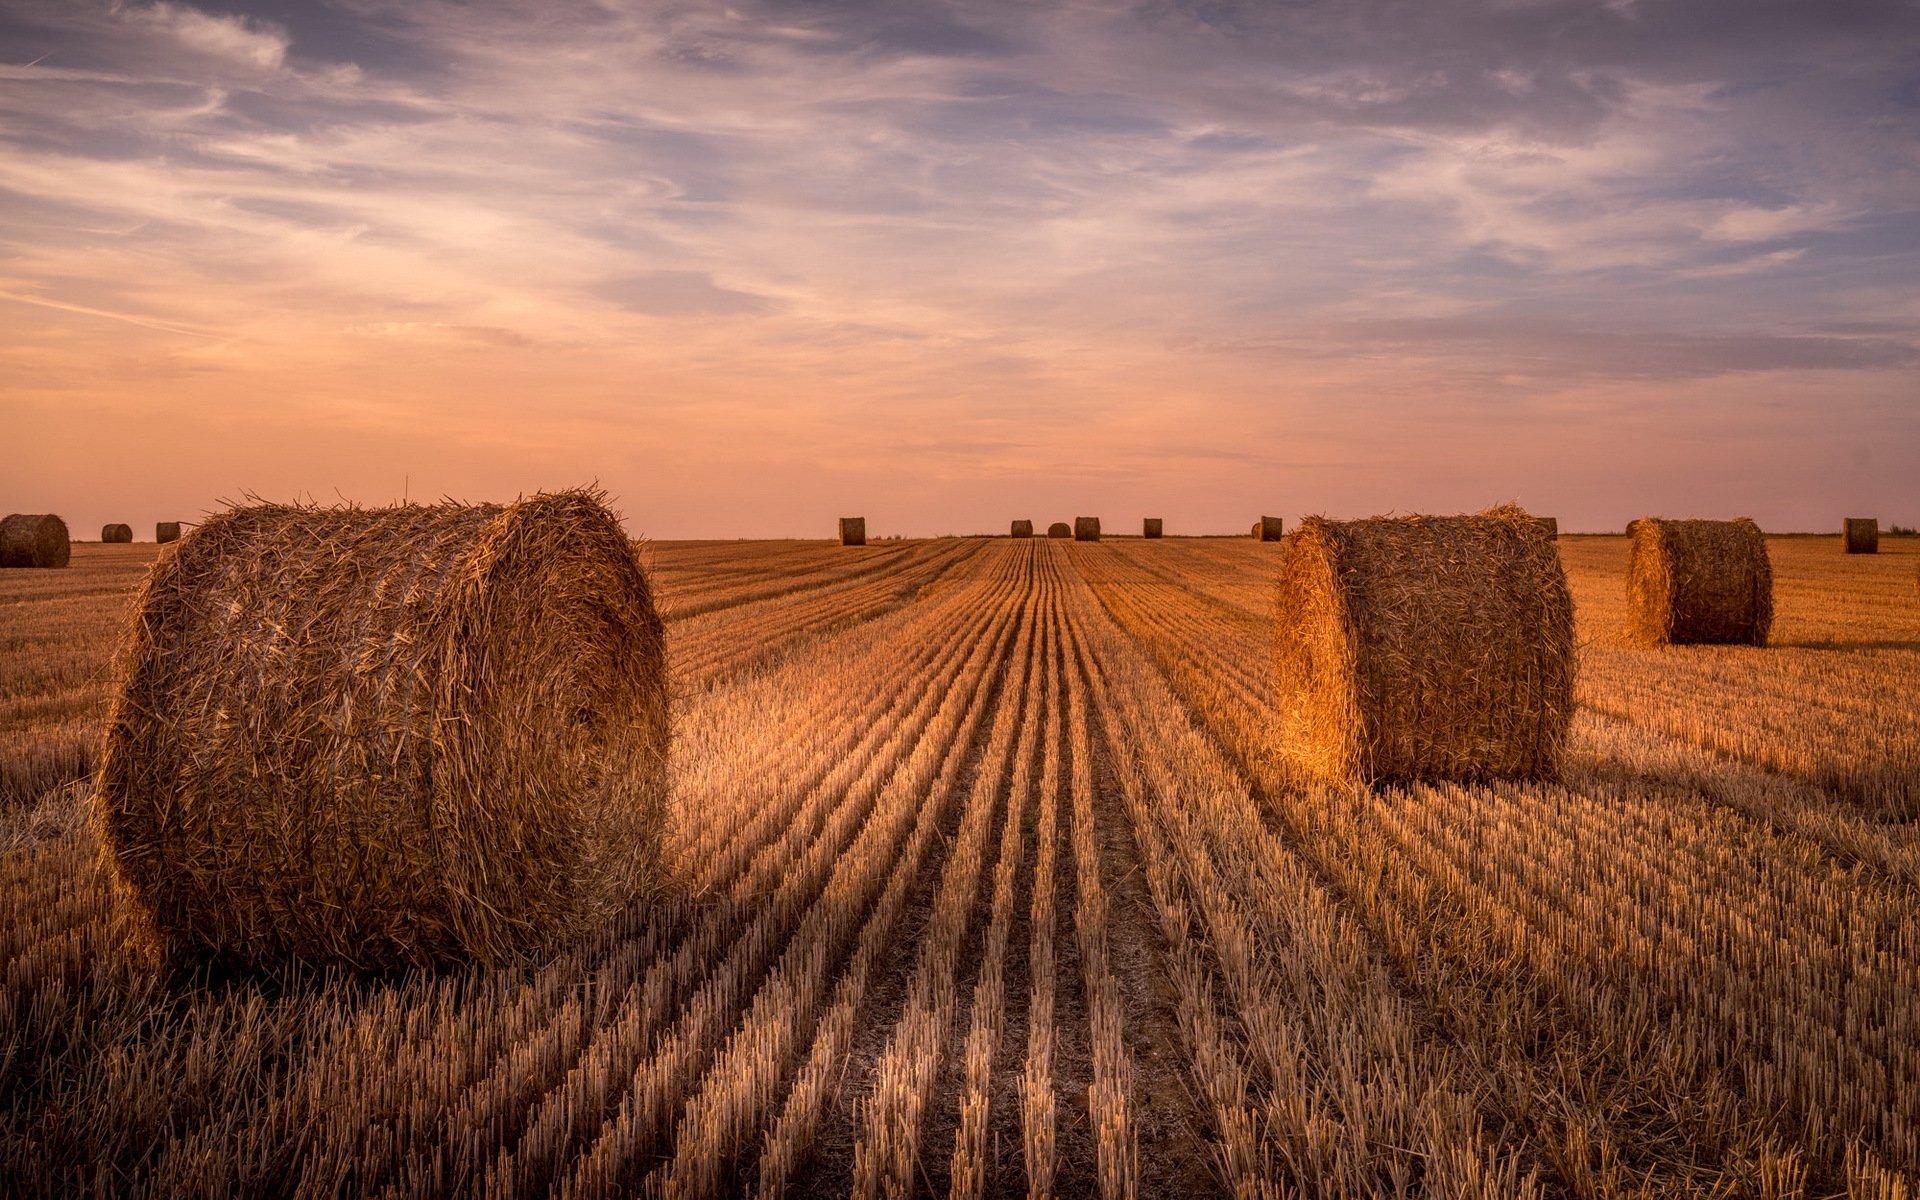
(989, 890)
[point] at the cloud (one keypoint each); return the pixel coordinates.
(677, 294)
(237, 39)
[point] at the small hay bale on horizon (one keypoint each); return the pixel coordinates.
(1698, 583)
(1862, 535)
(1423, 648)
(1059, 529)
(1086, 529)
(1269, 529)
(1150, 527)
(1022, 529)
(1551, 525)
(853, 531)
(389, 737)
(166, 531)
(116, 533)
(34, 540)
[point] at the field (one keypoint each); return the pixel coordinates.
(984, 882)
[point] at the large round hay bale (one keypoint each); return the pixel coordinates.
(1423, 648)
(1150, 527)
(853, 531)
(116, 533)
(1086, 529)
(389, 736)
(1022, 529)
(1691, 582)
(34, 540)
(1059, 529)
(1862, 535)
(166, 531)
(1268, 529)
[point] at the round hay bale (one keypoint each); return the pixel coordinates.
(1086, 529)
(1269, 529)
(1862, 535)
(1423, 648)
(166, 531)
(1059, 529)
(853, 531)
(1022, 529)
(1698, 582)
(380, 737)
(1150, 528)
(34, 540)
(1551, 525)
(116, 533)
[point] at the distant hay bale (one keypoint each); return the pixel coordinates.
(166, 531)
(389, 736)
(1086, 529)
(1863, 535)
(853, 531)
(1022, 529)
(1150, 528)
(1268, 529)
(1694, 582)
(1059, 529)
(116, 533)
(1423, 648)
(34, 540)
(1551, 525)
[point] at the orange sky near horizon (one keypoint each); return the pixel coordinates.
(754, 267)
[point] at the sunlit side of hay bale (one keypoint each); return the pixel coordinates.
(1086, 529)
(1269, 529)
(1059, 529)
(389, 736)
(34, 540)
(1862, 535)
(1150, 527)
(853, 531)
(1423, 648)
(1694, 582)
(1022, 529)
(116, 533)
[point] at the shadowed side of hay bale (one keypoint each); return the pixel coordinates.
(1086, 529)
(1059, 529)
(1698, 582)
(116, 533)
(853, 531)
(1551, 525)
(1022, 529)
(1423, 648)
(393, 736)
(1862, 535)
(1150, 527)
(34, 540)
(166, 531)
(1268, 529)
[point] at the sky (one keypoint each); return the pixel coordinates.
(751, 266)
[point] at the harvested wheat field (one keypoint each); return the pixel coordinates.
(983, 878)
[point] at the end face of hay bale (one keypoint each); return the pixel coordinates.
(1268, 529)
(116, 533)
(34, 540)
(1150, 527)
(1423, 648)
(166, 531)
(1022, 529)
(1059, 529)
(853, 531)
(1086, 529)
(387, 737)
(1862, 535)
(1698, 582)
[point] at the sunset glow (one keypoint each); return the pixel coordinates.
(752, 266)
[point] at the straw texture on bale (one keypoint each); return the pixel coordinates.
(1863, 535)
(34, 540)
(381, 737)
(1022, 529)
(1692, 582)
(1150, 527)
(1551, 525)
(1059, 529)
(853, 531)
(1423, 648)
(166, 531)
(116, 533)
(1086, 529)
(1268, 529)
